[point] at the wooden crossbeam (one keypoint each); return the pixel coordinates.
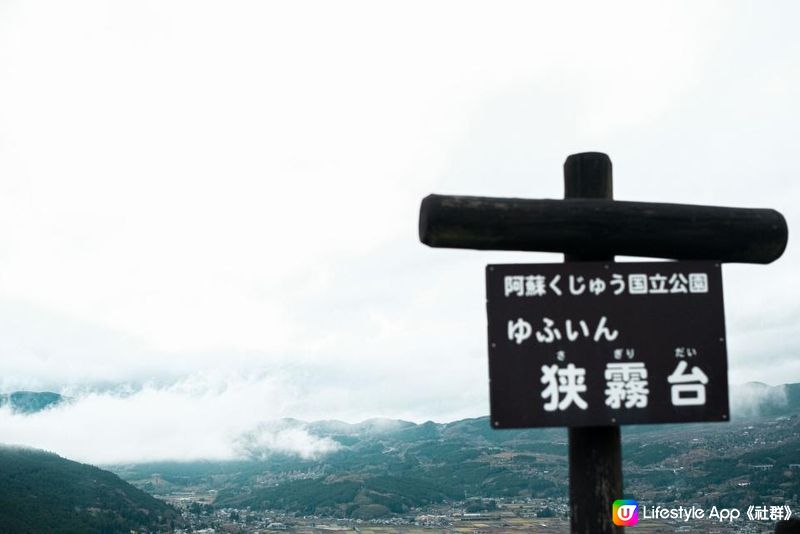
(591, 227)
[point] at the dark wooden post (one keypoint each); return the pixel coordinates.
(595, 453)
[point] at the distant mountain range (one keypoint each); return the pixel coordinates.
(751, 398)
(384, 467)
(30, 401)
(42, 493)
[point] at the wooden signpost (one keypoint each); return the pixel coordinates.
(595, 344)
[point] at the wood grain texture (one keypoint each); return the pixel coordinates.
(595, 453)
(594, 227)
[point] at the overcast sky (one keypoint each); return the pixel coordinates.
(211, 208)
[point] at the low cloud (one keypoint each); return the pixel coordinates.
(202, 417)
(754, 398)
(284, 437)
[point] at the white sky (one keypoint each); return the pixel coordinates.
(214, 205)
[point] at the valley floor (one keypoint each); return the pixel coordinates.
(509, 518)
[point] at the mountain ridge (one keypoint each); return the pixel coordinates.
(411, 466)
(43, 493)
(28, 402)
(748, 398)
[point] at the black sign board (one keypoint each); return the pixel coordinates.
(599, 343)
